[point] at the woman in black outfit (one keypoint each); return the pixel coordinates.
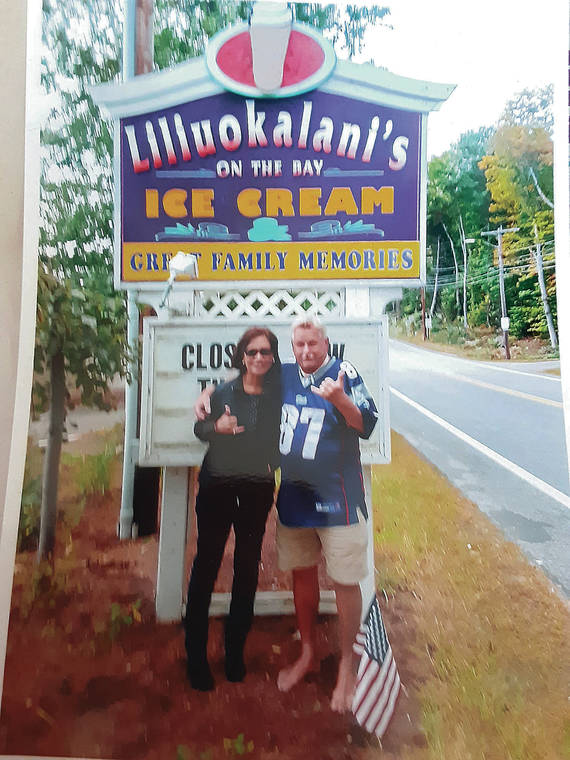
(236, 488)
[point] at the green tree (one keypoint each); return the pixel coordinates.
(530, 108)
(457, 207)
(80, 342)
(81, 45)
(344, 26)
(182, 29)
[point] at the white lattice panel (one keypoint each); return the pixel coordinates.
(259, 303)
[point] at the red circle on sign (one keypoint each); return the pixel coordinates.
(303, 59)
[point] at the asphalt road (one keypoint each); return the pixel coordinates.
(497, 433)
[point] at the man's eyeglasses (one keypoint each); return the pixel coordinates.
(262, 351)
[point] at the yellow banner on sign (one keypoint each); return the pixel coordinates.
(311, 260)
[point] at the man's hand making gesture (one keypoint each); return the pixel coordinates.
(333, 391)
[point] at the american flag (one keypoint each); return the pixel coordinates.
(378, 683)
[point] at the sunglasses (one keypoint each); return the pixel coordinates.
(262, 351)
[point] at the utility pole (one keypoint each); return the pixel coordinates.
(454, 263)
(433, 300)
(543, 293)
(423, 299)
(144, 41)
(137, 59)
(504, 318)
(464, 242)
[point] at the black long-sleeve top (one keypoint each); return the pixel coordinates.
(251, 455)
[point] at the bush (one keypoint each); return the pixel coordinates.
(406, 326)
(451, 333)
(89, 474)
(526, 311)
(30, 507)
(448, 304)
(94, 475)
(29, 525)
(478, 313)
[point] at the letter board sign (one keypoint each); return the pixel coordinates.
(180, 358)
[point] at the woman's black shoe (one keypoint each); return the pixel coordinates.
(200, 676)
(235, 668)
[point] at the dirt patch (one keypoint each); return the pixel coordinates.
(89, 672)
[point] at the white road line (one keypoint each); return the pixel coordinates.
(541, 375)
(539, 484)
(509, 391)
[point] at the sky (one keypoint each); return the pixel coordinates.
(491, 50)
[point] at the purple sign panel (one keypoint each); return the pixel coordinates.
(318, 186)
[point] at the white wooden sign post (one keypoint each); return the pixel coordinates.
(180, 358)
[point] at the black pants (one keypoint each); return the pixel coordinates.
(218, 507)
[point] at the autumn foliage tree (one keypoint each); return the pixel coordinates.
(494, 176)
(521, 158)
(519, 177)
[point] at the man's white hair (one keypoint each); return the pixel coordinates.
(308, 321)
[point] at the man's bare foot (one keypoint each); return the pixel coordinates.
(343, 693)
(289, 677)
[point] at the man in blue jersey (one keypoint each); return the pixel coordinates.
(326, 409)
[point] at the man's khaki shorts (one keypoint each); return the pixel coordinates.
(344, 548)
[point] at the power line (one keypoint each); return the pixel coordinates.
(489, 274)
(526, 257)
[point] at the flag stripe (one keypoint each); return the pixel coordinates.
(360, 643)
(376, 706)
(378, 681)
(365, 682)
(373, 685)
(379, 706)
(359, 647)
(365, 663)
(384, 719)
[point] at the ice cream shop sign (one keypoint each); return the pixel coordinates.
(258, 189)
(269, 160)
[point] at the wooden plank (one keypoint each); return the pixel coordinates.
(272, 603)
(172, 543)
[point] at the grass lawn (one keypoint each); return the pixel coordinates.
(491, 634)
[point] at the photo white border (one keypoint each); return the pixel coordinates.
(20, 51)
(15, 37)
